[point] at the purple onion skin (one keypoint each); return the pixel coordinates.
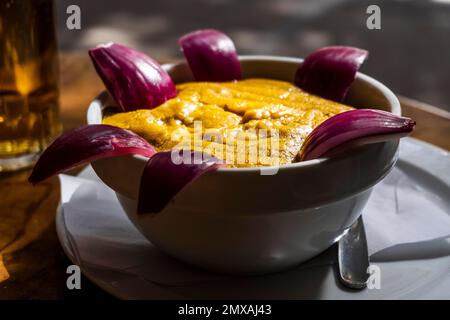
(85, 144)
(353, 128)
(163, 178)
(211, 56)
(329, 72)
(135, 80)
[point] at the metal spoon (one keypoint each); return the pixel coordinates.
(353, 257)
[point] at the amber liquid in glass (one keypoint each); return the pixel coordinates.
(29, 94)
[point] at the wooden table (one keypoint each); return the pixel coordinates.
(32, 263)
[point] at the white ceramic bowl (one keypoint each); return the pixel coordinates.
(238, 221)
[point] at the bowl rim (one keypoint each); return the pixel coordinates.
(96, 104)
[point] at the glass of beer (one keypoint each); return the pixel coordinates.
(29, 95)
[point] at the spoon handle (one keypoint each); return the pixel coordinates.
(353, 257)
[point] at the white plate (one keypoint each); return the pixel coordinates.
(421, 269)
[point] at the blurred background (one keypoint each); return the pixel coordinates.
(410, 53)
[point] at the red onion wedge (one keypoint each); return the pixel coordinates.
(86, 144)
(167, 173)
(329, 71)
(353, 128)
(211, 55)
(135, 80)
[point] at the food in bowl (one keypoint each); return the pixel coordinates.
(231, 219)
(233, 120)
